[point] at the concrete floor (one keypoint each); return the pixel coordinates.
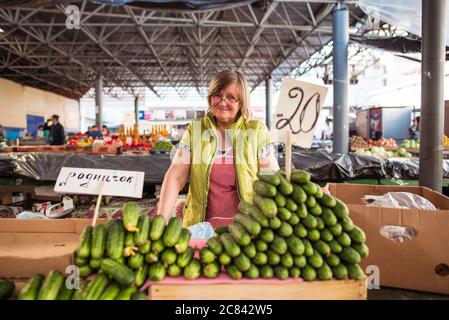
(386, 293)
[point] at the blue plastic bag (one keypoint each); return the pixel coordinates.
(202, 230)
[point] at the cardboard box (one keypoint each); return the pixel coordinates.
(35, 246)
(419, 264)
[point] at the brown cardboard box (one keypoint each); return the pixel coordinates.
(412, 264)
(30, 246)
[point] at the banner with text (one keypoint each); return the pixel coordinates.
(91, 181)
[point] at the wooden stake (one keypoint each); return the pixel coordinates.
(97, 206)
(288, 155)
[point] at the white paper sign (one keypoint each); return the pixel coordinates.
(298, 109)
(90, 181)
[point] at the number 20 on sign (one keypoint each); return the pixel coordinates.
(298, 110)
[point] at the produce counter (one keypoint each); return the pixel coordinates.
(323, 166)
(46, 166)
(225, 288)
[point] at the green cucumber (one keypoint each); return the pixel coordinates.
(83, 248)
(50, 288)
(31, 288)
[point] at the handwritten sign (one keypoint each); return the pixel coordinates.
(91, 181)
(298, 110)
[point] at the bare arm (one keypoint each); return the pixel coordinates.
(174, 180)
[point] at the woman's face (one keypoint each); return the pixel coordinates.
(225, 104)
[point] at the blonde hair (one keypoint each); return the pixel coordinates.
(226, 77)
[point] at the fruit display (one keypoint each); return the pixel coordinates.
(381, 152)
(382, 142)
(356, 142)
(162, 145)
(410, 144)
(290, 229)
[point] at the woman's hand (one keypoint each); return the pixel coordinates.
(269, 163)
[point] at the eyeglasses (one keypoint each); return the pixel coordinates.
(218, 98)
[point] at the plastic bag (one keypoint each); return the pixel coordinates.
(403, 200)
(398, 234)
(202, 230)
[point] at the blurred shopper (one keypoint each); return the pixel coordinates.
(105, 130)
(57, 135)
(40, 131)
(415, 129)
(95, 132)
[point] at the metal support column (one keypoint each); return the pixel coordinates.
(340, 27)
(99, 101)
(432, 94)
(136, 111)
(268, 92)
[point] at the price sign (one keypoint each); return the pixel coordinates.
(298, 110)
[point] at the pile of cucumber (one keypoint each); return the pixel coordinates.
(119, 256)
(292, 229)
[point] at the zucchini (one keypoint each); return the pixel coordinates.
(65, 293)
(119, 272)
(50, 288)
(207, 256)
(130, 216)
(193, 270)
(250, 209)
(183, 241)
(239, 234)
(98, 242)
(145, 248)
(169, 256)
(31, 288)
(215, 245)
(136, 261)
(111, 291)
(264, 189)
(115, 241)
(172, 232)
(249, 223)
(85, 271)
(157, 272)
(95, 288)
(126, 294)
(157, 227)
(229, 245)
(151, 257)
(83, 248)
(141, 237)
(285, 187)
(266, 205)
(269, 177)
(185, 257)
(6, 289)
(139, 296)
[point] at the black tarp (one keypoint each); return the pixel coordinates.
(323, 166)
(46, 166)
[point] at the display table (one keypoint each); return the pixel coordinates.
(225, 288)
